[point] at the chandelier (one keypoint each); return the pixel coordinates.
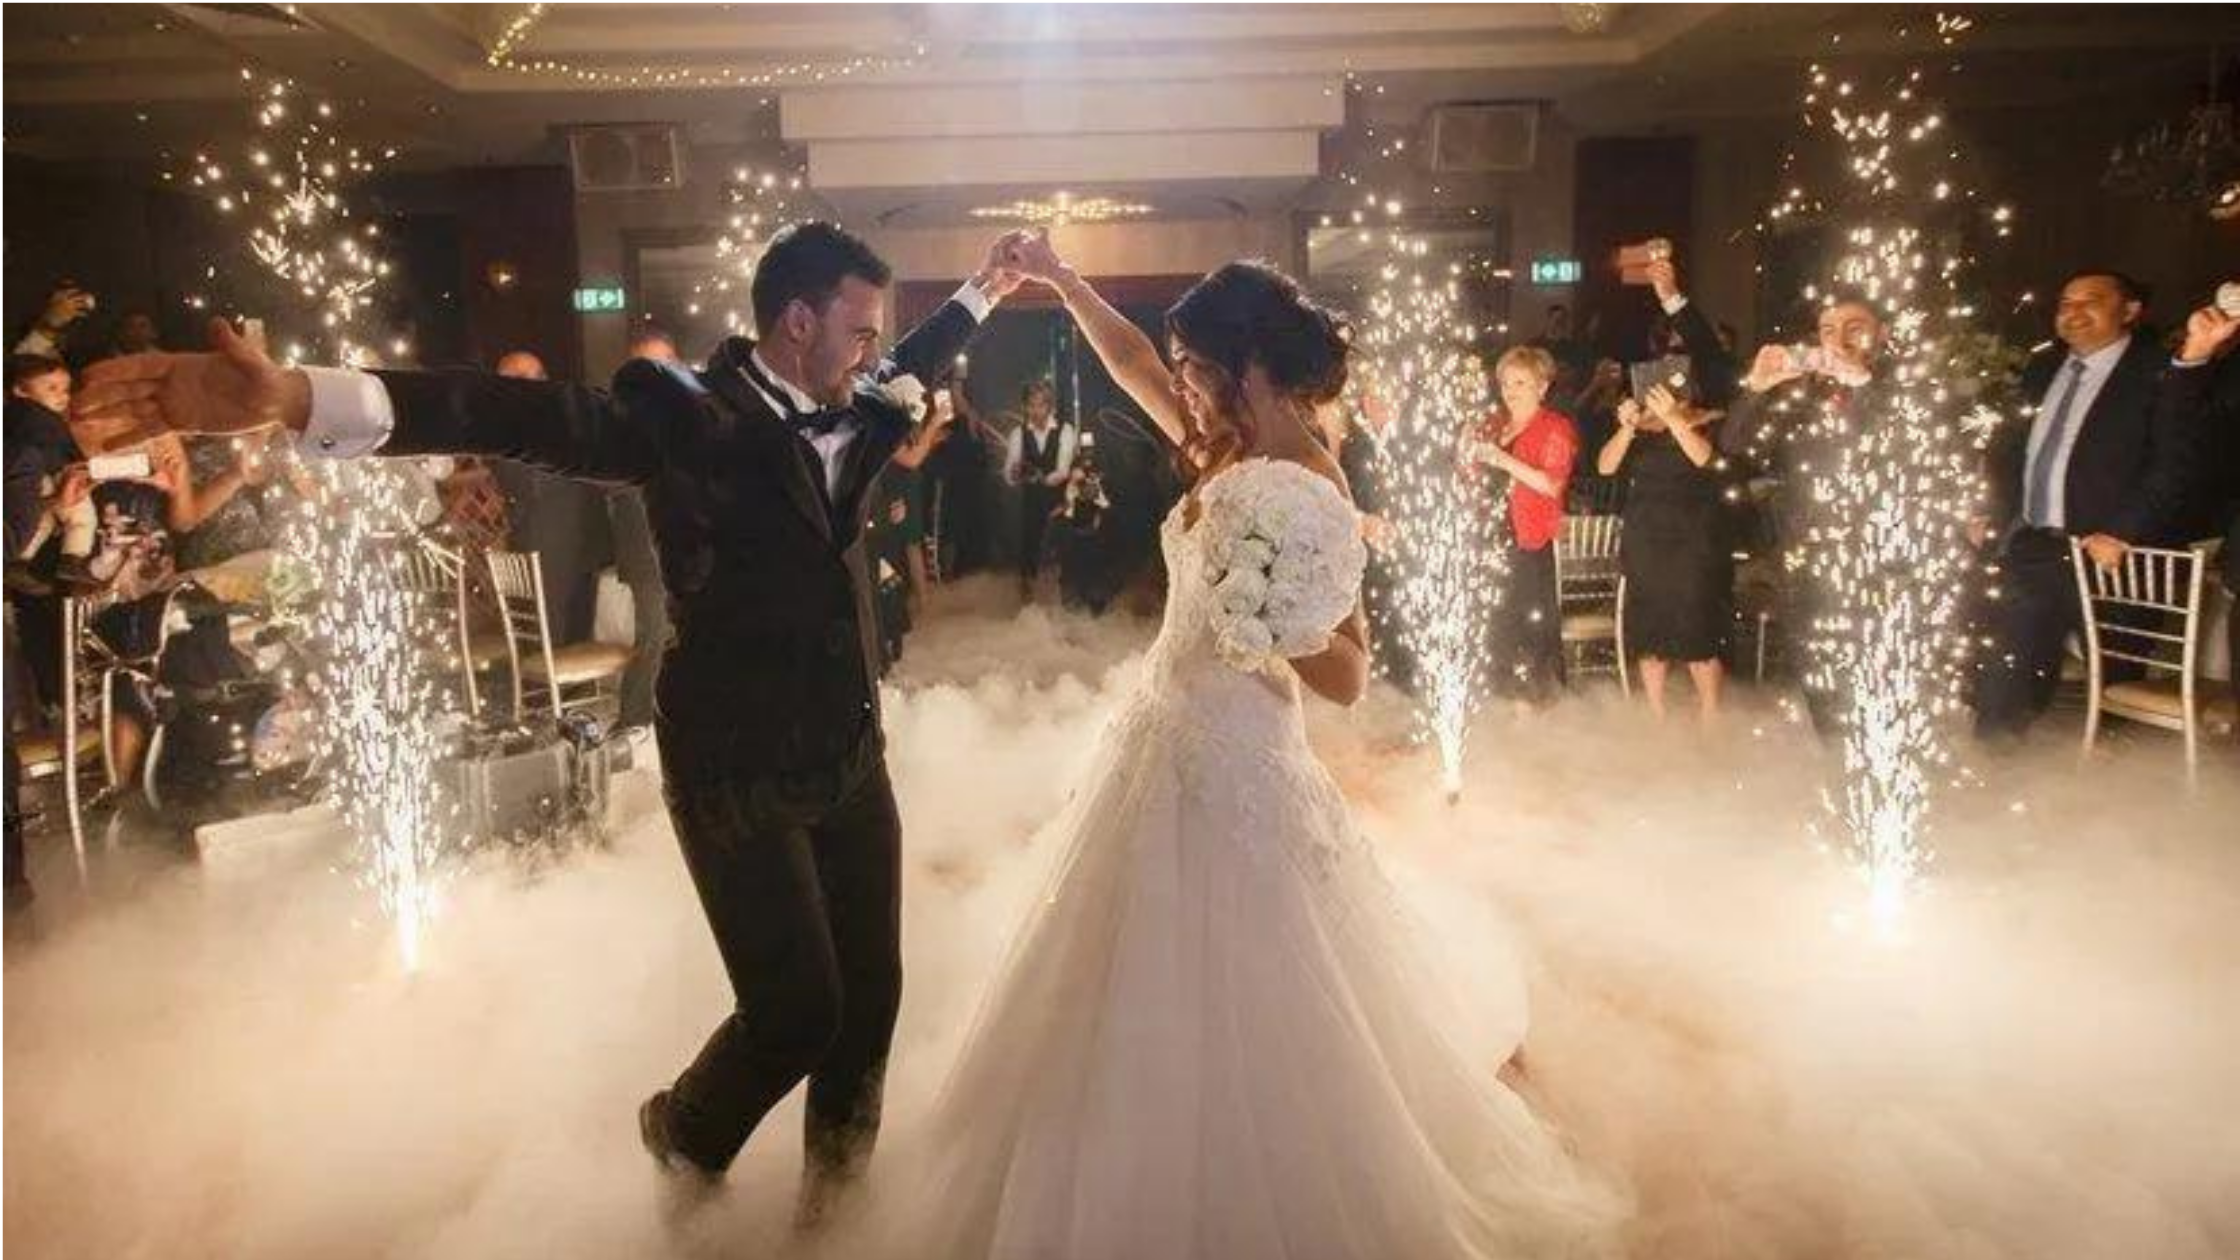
(2196, 161)
(1062, 209)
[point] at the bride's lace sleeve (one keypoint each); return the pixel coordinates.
(1285, 559)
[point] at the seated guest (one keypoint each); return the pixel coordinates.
(2106, 457)
(1037, 458)
(1536, 446)
(1771, 428)
(1678, 568)
(563, 521)
(127, 565)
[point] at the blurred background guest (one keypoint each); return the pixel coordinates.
(1770, 429)
(638, 564)
(1037, 458)
(960, 488)
(563, 520)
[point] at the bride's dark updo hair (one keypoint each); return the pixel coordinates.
(1246, 313)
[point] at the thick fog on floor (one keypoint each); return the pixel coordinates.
(223, 1059)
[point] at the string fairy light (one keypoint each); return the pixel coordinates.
(306, 262)
(506, 54)
(1887, 549)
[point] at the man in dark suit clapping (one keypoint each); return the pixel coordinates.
(2106, 458)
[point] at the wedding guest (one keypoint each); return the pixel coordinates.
(1037, 458)
(652, 342)
(38, 451)
(130, 566)
(960, 488)
(136, 333)
(66, 307)
(638, 564)
(1770, 428)
(2108, 458)
(1082, 524)
(1536, 446)
(1679, 573)
(1354, 437)
(1572, 355)
(1690, 332)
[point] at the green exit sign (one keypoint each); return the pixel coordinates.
(600, 300)
(1556, 271)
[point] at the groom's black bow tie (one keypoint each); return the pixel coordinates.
(818, 423)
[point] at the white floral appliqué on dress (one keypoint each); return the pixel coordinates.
(1215, 1038)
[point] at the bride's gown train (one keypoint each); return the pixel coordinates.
(1215, 1036)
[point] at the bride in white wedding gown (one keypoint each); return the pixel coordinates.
(1215, 1036)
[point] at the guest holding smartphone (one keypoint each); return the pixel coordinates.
(1678, 568)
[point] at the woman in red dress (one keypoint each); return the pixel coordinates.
(1536, 446)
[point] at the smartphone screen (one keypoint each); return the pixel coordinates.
(129, 466)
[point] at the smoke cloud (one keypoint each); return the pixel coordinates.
(221, 1059)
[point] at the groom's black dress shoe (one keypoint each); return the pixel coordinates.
(653, 1128)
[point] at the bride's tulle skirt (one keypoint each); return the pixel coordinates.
(1217, 1036)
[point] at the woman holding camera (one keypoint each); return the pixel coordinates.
(1678, 569)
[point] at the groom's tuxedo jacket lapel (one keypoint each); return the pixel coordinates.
(798, 472)
(773, 665)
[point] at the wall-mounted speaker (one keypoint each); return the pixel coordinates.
(1484, 137)
(627, 157)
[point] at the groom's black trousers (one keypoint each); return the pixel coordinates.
(801, 883)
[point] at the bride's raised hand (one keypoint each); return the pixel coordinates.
(1032, 256)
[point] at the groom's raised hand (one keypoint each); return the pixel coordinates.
(1031, 255)
(235, 388)
(997, 278)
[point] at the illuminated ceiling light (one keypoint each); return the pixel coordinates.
(1063, 208)
(1587, 19)
(515, 32)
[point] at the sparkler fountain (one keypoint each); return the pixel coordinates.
(373, 633)
(1414, 344)
(1888, 552)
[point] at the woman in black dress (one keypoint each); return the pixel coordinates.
(1674, 553)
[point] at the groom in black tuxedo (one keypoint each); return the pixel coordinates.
(757, 474)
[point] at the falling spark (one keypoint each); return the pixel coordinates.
(1421, 377)
(1888, 546)
(374, 639)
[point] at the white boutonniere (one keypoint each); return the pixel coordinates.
(906, 394)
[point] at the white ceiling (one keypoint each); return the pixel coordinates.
(120, 85)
